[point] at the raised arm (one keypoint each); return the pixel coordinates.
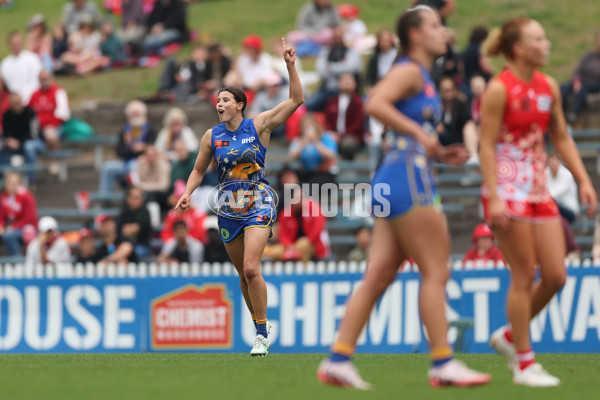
(267, 121)
(492, 111)
(565, 146)
(205, 155)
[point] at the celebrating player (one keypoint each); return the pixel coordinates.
(407, 101)
(522, 104)
(246, 211)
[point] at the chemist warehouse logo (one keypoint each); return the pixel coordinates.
(192, 317)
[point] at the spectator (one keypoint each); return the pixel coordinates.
(152, 176)
(456, 126)
(49, 247)
(214, 251)
(331, 63)
(18, 212)
(363, 242)
(113, 247)
(193, 218)
(39, 41)
(586, 79)
(133, 139)
(86, 250)
(60, 45)
(316, 150)
(478, 85)
(20, 134)
(77, 10)
(252, 66)
(182, 83)
(133, 24)
(315, 22)
(272, 95)
(344, 115)
(483, 248)
(217, 66)
(83, 54)
(4, 102)
(111, 45)
(133, 223)
(572, 248)
(51, 105)
(355, 31)
(443, 7)
(183, 163)
(301, 229)
(475, 62)
(20, 70)
(596, 245)
(382, 60)
(166, 24)
(562, 188)
(181, 248)
(378, 66)
(175, 128)
(450, 63)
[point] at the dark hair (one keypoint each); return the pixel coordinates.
(502, 40)
(179, 223)
(478, 35)
(238, 95)
(360, 228)
(448, 78)
(286, 169)
(408, 20)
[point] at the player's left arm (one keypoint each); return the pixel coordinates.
(267, 121)
(565, 146)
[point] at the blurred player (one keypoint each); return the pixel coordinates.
(522, 104)
(246, 208)
(407, 101)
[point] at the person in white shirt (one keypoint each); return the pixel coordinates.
(253, 65)
(175, 127)
(20, 70)
(49, 246)
(562, 188)
(76, 10)
(182, 248)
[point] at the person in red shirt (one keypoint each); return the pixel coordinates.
(519, 106)
(484, 248)
(344, 115)
(51, 105)
(301, 226)
(4, 101)
(18, 212)
(193, 218)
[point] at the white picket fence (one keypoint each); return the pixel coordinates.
(152, 270)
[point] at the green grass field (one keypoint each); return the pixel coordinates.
(569, 24)
(278, 376)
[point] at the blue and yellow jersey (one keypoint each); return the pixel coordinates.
(404, 180)
(240, 159)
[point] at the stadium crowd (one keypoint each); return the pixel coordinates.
(153, 163)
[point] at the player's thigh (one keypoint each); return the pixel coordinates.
(517, 244)
(423, 234)
(255, 240)
(385, 255)
(235, 249)
(551, 250)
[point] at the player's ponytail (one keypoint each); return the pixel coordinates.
(501, 41)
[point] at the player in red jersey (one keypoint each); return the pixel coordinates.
(520, 105)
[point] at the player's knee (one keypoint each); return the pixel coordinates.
(523, 279)
(439, 275)
(556, 280)
(251, 271)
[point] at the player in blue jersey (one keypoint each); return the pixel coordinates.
(246, 203)
(409, 219)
